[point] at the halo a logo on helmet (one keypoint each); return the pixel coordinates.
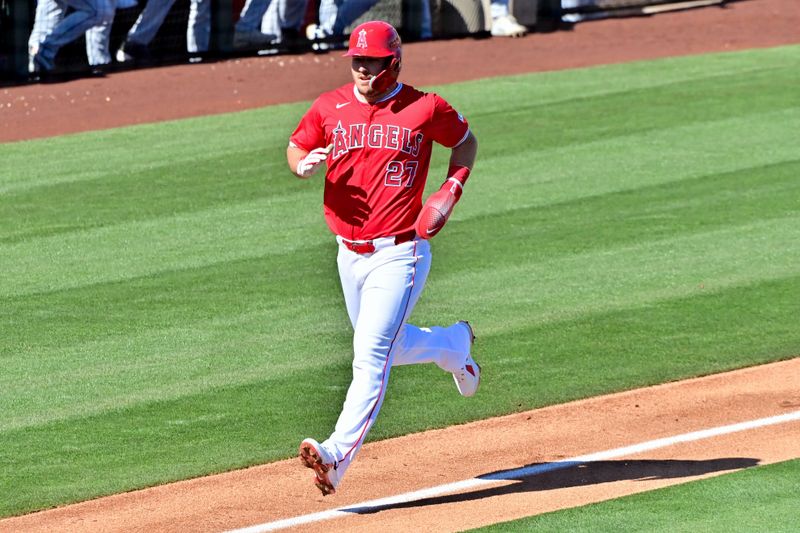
(362, 39)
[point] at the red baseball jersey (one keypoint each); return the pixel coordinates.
(381, 153)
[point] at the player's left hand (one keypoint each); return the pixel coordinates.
(311, 163)
(437, 209)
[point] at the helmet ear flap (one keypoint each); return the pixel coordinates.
(386, 77)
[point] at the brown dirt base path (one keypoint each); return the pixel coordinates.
(283, 490)
(142, 96)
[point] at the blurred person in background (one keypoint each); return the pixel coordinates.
(135, 48)
(50, 12)
(284, 20)
(53, 28)
(247, 33)
(503, 22)
(335, 16)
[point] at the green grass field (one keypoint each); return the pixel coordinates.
(171, 308)
(759, 499)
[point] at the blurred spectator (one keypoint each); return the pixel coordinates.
(503, 22)
(580, 10)
(198, 29)
(52, 30)
(284, 19)
(335, 16)
(247, 33)
(49, 13)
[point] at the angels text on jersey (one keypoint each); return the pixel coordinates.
(375, 135)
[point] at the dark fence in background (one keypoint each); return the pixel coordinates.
(169, 45)
(449, 18)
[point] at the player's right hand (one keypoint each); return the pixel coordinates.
(437, 209)
(311, 163)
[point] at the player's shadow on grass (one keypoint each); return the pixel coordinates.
(550, 476)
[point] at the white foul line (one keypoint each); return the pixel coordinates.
(491, 479)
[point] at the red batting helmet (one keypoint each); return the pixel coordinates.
(374, 39)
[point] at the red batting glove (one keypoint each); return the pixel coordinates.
(437, 209)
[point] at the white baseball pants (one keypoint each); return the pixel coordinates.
(380, 291)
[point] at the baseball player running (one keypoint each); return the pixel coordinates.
(376, 135)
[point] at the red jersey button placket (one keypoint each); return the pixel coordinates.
(364, 160)
(365, 151)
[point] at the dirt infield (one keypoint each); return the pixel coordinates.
(416, 462)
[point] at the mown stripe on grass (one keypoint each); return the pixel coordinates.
(526, 177)
(241, 230)
(140, 248)
(531, 235)
(709, 328)
(217, 179)
(617, 218)
(90, 156)
(612, 277)
(547, 287)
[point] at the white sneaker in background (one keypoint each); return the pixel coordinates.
(507, 26)
(314, 32)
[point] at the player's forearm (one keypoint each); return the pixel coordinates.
(293, 156)
(464, 154)
(462, 158)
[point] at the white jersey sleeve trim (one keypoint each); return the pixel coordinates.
(464, 138)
